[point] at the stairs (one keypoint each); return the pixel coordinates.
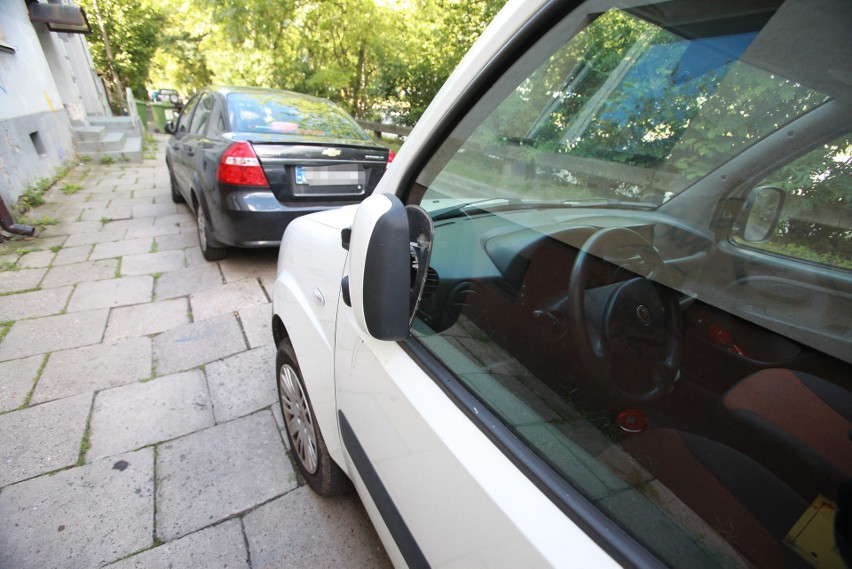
(109, 136)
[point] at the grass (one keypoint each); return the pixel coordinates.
(70, 189)
(43, 221)
(85, 158)
(154, 246)
(55, 248)
(86, 443)
(14, 292)
(6, 266)
(33, 197)
(106, 160)
(106, 220)
(40, 371)
(4, 328)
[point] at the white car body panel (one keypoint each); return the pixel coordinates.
(463, 500)
(310, 262)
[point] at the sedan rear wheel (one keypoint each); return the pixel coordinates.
(315, 464)
(210, 252)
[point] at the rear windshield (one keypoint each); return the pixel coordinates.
(285, 113)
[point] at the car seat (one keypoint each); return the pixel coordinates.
(745, 502)
(796, 424)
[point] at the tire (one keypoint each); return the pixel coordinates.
(176, 197)
(315, 465)
(208, 251)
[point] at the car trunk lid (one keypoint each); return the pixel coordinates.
(304, 172)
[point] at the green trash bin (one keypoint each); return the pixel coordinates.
(162, 113)
(142, 109)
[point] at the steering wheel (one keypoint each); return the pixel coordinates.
(627, 332)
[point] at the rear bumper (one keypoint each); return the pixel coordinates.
(255, 218)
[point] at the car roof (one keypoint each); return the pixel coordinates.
(226, 90)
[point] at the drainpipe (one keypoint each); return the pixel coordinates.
(8, 224)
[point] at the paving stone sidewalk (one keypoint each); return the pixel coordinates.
(139, 424)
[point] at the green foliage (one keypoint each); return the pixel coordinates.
(378, 59)
(33, 197)
(133, 30)
(5, 326)
(435, 36)
(70, 189)
(85, 158)
(85, 444)
(814, 223)
(107, 159)
(42, 221)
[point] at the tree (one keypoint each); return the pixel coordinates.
(433, 37)
(132, 30)
(378, 59)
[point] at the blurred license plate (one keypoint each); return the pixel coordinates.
(340, 179)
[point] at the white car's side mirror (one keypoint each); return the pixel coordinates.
(380, 268)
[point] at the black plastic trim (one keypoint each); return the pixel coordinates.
(402, 536)
(387, 275)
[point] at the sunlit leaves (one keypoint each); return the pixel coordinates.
(380, 59)
(133, 30)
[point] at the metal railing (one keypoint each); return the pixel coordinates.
(379, 128)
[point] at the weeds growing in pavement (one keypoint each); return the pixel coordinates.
(70, 189)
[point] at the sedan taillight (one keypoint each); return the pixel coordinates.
(239, 166)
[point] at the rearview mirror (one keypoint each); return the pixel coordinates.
(380, 268)
(389, 250)
(761, 213)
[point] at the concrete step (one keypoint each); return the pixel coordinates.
(113, 124)
(88, 133)
(131, 151)
(109, 142)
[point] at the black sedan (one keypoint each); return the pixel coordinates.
(250, 160)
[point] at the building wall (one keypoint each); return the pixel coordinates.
(55, 52)
(35, 128)
(86, 78)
